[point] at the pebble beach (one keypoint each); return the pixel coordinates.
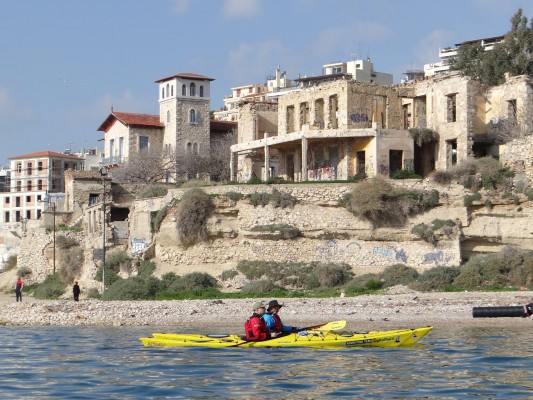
(399, 307)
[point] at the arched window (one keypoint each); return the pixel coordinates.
(162, 93)
(189, 148)
(172, 90)
(167, 89)
(192, 116)
(195, 148)
(168, 117)
(183, 90)
(201, 91)
(192, 90)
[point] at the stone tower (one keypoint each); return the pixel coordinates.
(184, 102)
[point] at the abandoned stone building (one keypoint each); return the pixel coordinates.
(336, 128)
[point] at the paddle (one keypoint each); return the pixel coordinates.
(329, 326)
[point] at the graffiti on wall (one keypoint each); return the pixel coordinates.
(437, 257)
(332, 250)
(359, 117)
(390, 252)
(138, 246)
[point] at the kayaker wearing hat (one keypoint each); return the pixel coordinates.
(273, 320)
(255, 328)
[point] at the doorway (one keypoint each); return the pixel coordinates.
(395, 161)
(290, 167)
(360, 167)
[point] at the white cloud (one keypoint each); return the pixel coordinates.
(241, 8)
(250, 61)
(426, 51)
(180, 6)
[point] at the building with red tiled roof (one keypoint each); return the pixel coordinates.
(182, 126)
(33, 176)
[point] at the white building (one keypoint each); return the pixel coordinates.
(360, 70)
(448, 54)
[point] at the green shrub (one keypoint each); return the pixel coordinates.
(71, 264)
(111, 276)
(286, 231)
(259, 198)
(93, 293)
(276, 180)
(196, 183)
(66, 242)
(228, 274)
(282, 200)
(529, 193)
(52, 288)
(361, 176)
(133, 288)
(424, 232)
(422, 136)
(506, 195)
(153, 191)
(11, 263)
(157, 218)
(333, 275)
(146, 268)
(255, 181)
(197, 281)
(438, 278)
(468, 199)
(405, 174)
(398, 274)
(437, 224)
(379, 202)
(235, 196)
(193, 211)
(258, 288)
(117, 261)
(442, 177)
(66, 228)
(24, 271)
(364, 283)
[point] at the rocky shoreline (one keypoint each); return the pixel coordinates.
(398, 308)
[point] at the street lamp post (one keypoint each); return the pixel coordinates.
(103, 173)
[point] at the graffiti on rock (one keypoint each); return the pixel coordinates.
(138, 246)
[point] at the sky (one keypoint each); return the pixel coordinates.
(65, 63)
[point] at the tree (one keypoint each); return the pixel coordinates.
(514, 55)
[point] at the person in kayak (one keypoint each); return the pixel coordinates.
(255, 328)
(273, 320)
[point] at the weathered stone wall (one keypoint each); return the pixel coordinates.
(518, 155)
(254, 119)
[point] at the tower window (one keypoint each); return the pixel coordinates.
(168, 117)
(143, 142)
(201, 91)
(192, 117)
(192, 89)
(172, 90)
(183, 90)
(162, 93)
(189, 147)
(167, 89)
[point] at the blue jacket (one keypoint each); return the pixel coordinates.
(270, 321)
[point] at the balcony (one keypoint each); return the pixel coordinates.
(113, 160)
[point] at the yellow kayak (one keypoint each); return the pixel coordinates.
(309, 338)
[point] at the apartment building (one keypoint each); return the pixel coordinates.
(32, 177)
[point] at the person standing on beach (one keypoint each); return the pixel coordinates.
(18, 289)
(76, 291)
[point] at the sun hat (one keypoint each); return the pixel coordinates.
(257, 305)
(272, 304)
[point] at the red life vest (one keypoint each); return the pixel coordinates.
(278, 326)
(255, 328)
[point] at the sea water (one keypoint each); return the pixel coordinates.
(111, 363)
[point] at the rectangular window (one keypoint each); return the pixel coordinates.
(120, 147)
(451, 107)
(6, 216)
(511, 111)
(38, 216)
(29, 186)
(38, 197)
(40, 166)
(28, 214)
(17, 201)
(19, 168)
(40, 184)
(30, 168)
(54, 184)
(19, 186)
(28, 199)
(143, 142)
(17, 216)
(112, 148)
(8, 200)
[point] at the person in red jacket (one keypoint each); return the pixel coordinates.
(18, 289)
(255, 328)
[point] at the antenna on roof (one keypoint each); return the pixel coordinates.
(111, 108)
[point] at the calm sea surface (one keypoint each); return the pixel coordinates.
(111, 363)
